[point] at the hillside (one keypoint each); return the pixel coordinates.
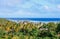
(28, 30)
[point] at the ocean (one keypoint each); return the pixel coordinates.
(46, 20)
(36, 19)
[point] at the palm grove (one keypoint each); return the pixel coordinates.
(29, 30)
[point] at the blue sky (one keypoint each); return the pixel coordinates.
(29, 8)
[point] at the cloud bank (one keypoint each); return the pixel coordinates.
(29, 8)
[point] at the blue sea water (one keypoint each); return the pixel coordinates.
(36, 19)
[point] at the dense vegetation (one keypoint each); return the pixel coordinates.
(29, 30)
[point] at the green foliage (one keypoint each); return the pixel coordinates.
(13, 30)
(58, 28)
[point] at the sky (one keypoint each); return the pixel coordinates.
(29, 8)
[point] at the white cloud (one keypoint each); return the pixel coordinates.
(26, 5)
(15, 5)
(9, 2)
(22, 13)
(12, 2)
(46, 7)
(58, 6)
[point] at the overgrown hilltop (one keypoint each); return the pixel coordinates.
(28, 30)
